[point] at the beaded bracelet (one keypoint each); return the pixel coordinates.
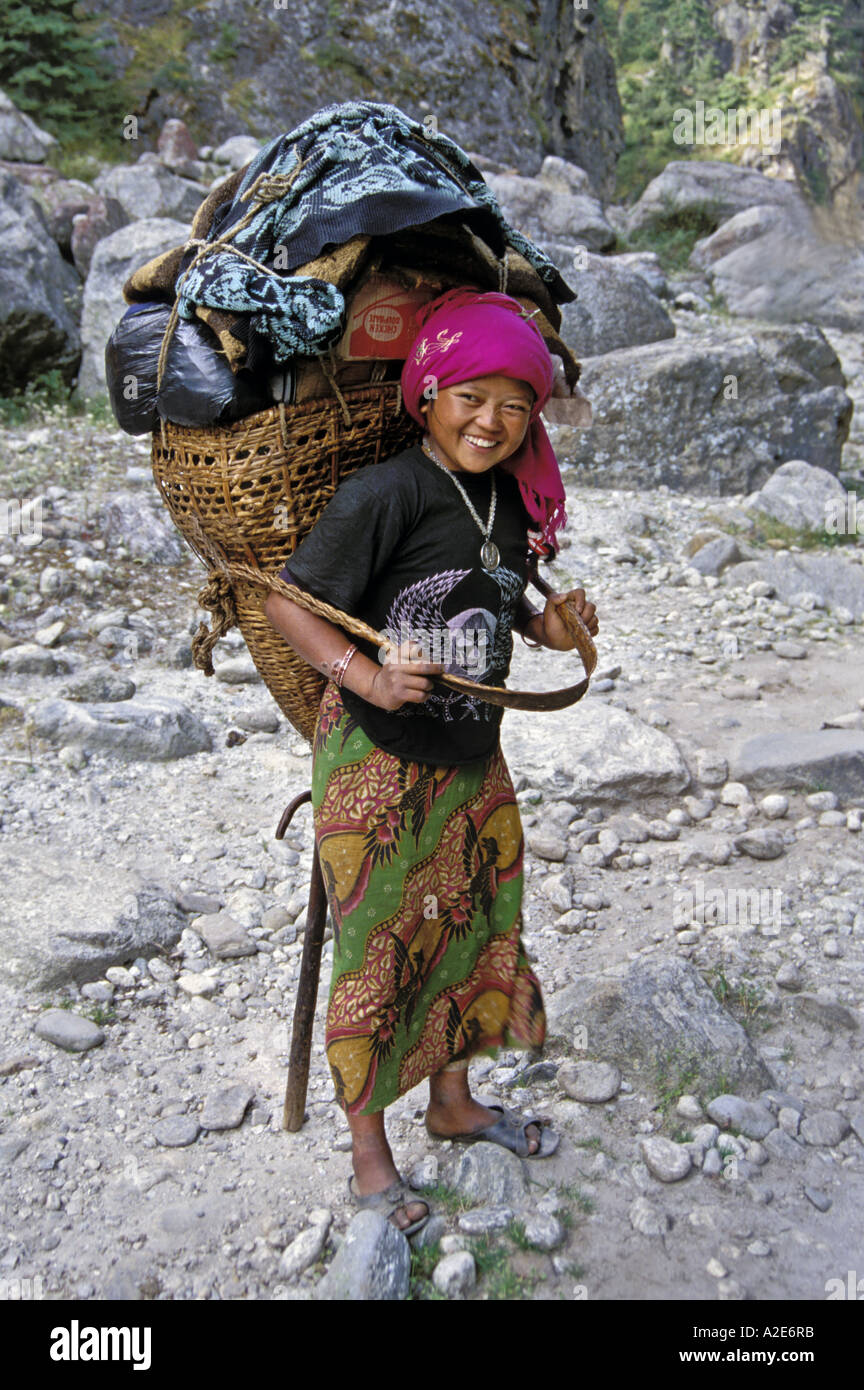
(338, 673)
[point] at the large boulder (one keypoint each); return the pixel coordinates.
(147, 189)
(40, 293)
(599, 751)
(155, 730)
(801, 496)
(114, 259)
(719, 188)
(712, 414)
(120, 917)
(614, 308)
(659, 1017)
(20, 137)
(837, 582)
(559, 204)
(832, 759)
(786, 265)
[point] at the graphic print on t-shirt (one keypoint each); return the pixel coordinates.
(472, 642)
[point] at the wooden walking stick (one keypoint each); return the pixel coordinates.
(307, 985)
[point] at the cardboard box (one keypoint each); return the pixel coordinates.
(379, 320)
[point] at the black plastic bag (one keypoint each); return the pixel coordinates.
(198, 385)
(131, 355)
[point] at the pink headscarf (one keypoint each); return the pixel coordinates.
(466, 334)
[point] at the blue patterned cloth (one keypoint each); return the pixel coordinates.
(366, 168)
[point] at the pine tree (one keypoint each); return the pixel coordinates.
(51, 64)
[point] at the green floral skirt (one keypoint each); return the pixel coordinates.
(423, 871)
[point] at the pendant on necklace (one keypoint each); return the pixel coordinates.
(489, 557)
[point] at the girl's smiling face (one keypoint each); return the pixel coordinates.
(476, 424)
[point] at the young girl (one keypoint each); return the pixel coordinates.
(416, 821)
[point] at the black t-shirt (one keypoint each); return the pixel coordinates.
(397, 546)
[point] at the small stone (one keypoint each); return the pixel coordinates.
(789, 1121)
(759, 1248)
(455, 1275)
(198, 985)
(489, 1175)
(68, 1030)
(647, 1219)
(790, 651)
(483, 1220)
(543, 1231)
(822, 801)
(821, 1201)
(547, 845)
(424, 1174)
(176, 1131)
(734, 794)
(711, 769)
(716, 1269)
(665, 1160)
(712, 1165)
(238, 670)
(225, 1109)
(781, 1146)
(225, 937)
(774, 806)
(304, 1250)
(450, 1244)
(590, 1082)
(121, 977)
(832, 819)
(689, 1108)
(733, 1112)
(761, 844)
(825, 1127)
(789, 977)
(831, 947)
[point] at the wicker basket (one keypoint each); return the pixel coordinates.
(248, 493)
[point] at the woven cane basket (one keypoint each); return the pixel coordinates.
(246, 494)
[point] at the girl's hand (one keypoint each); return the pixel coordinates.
(403, 678)
(555, 633)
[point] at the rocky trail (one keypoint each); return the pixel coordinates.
(694, 904)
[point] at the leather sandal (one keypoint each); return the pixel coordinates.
(510, 1133)
(388, 1201)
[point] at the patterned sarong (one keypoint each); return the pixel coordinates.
(423, 871)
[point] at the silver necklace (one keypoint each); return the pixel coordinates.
(489, 556)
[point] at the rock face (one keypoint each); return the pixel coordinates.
(157, 730)
(668, 413)
(529, 82)
(830, 758)
(799, 495)
(659, 1013)
(20, 137)
(829, 577)
(604, 752)
(114, 259)
(39, 293)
